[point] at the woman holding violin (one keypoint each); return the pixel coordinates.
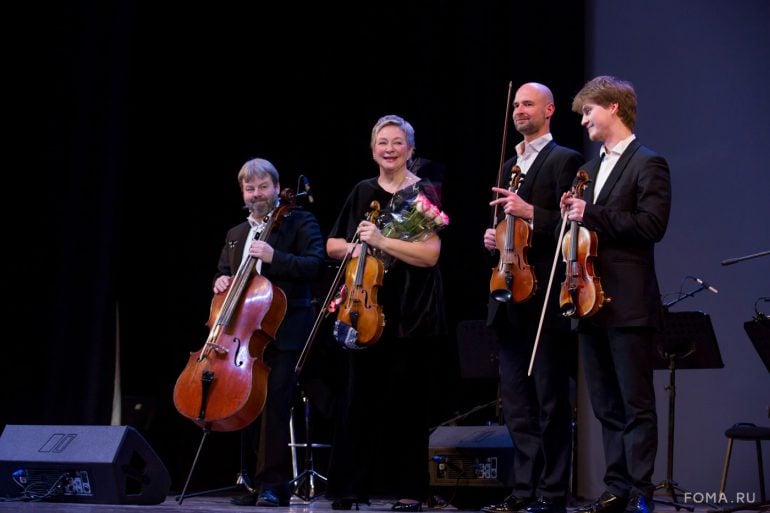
(626, 204)
(291, 257)
(385, 400)
(536, 408)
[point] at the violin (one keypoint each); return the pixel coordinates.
(581, 291)
(224, 385)
(360, 320)
(513, 279)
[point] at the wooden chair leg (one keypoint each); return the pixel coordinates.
(761, 472)
(726, 466)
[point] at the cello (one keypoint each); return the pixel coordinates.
(513, 278)
(581, 291)
(360, 320)
(224, 385)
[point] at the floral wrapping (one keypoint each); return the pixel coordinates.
(410, 217)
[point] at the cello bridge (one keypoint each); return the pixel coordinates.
(217, 347)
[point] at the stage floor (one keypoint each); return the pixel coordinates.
(221, 504)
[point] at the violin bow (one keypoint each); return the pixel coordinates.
(323, 310)
(502, 152)
(547, 294)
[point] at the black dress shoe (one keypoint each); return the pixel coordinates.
(407, 505)
(607, 503)
(510, 504)
(346, 503)
(250, 499)
(547, 505)
(343, 504)
(270, 499)
(639, 504)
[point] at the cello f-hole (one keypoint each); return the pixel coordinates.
(236, 361)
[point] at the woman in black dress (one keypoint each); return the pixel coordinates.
(384, 415)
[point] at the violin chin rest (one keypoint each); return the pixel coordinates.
(346, 335)
(568, 310)
(501, 295)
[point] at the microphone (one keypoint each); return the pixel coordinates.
(308, 192)
(705, 285)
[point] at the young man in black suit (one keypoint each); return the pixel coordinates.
(627, 203)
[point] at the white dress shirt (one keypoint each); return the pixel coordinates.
(528, 152)
(609, 159)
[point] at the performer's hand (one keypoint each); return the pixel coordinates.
(369, 233)
(574, 207)
(221, 284)
(354, 249)
(513, 204)
(262, 250)
(490, 239)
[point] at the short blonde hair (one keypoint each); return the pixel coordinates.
(392, 119)
(257, 168)
(605, 90)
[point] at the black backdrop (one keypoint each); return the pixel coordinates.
(131, 122)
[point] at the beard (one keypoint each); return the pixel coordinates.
(526, 126)
(260, 208)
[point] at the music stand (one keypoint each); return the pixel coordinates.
(687, 341)
(477, 350)
(758, 331)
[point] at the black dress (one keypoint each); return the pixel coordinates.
(383, 420)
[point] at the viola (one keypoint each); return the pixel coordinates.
(360, 320)
(513, 279)
(224, 385)
(581, 291)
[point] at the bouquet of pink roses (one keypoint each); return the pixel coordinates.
(411, 218)
(417, 219)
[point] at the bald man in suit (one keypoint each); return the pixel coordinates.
(536, 408)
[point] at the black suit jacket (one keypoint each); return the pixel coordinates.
(629, 217)
(297, 262)
(549, 176)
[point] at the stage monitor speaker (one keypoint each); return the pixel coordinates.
(471, 456)
(89, 464)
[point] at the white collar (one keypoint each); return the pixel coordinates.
(618, 149)
(536, 145)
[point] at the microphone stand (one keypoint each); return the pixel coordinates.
(730, 261)
(684, 295)
(668, 484)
